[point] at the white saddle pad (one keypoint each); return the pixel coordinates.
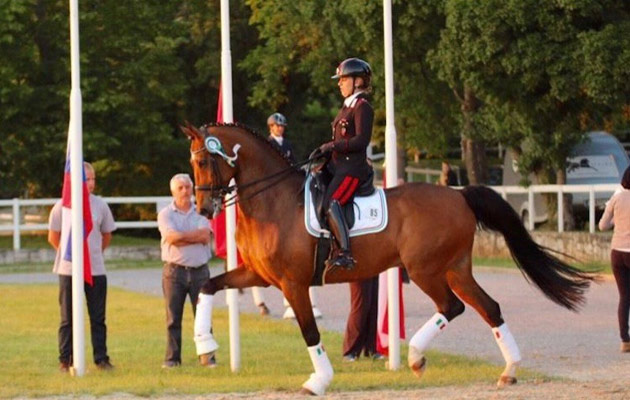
(370, 214)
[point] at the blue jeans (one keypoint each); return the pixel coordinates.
(177, 283)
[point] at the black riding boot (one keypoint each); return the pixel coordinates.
(339, 228)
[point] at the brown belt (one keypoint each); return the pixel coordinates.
(183, 266)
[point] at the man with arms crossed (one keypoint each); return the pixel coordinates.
(185, 253)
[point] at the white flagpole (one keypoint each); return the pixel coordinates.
(76, 175)
(392, 180)
(230, 212)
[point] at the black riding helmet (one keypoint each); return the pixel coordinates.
(354, 67)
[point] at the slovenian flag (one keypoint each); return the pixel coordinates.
(66, 219)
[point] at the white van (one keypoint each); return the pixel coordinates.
(599, 159)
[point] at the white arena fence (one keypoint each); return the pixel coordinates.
(16, 223)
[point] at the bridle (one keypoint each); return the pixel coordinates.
(219, 191)
(216, 191)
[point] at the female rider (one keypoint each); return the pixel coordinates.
(352, 132)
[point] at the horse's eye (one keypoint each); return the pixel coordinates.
(203, 163)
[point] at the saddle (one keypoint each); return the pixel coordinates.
(366, 214)
(319, 184)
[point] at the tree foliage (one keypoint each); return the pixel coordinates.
(526, 61)
(539, 75)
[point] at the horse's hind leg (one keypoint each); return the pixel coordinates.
(237, 278)
(448, 307)
(464, 284)
(299, 300)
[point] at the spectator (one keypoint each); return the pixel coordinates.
(617, 215)
(360, 334)
(185, 253)
(95, 295)
(447, 176)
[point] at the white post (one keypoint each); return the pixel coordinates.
(230, 212)
(392, 180)
(560, 210)
(532, 209)
(16, 224)
(76, 174)
(591, 209)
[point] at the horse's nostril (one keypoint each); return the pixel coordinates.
(204, 211)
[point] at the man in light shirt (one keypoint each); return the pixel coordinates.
(185, 248)
(96, 295)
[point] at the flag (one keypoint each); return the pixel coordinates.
(66, 219)
(382, 319)
(218, 223)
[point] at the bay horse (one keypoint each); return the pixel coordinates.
(430, 233)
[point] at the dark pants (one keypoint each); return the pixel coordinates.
(621, 269)
(360, 335)
(177, 283)
(96, 298)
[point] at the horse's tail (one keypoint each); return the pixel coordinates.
(559, 281)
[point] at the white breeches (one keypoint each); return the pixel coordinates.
(259, 296)
(311, 293)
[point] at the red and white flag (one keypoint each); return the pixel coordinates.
(382, 319)
(218, 223)
(66, 219)
(382, 324)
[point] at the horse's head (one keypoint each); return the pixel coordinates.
(213, 169)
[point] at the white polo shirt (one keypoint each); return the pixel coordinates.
(173, 219)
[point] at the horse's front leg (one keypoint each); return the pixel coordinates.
(237, 279)
(301, 303)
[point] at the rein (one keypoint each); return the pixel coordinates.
(220, 191)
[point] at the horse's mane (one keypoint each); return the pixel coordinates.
(251, 131)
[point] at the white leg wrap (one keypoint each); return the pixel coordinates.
(259, 296)
(319, 381)
(508, 348)
(421, 340)
(204, 340)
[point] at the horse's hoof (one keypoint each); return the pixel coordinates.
(505, 380)
(305, 392)
(419, 366)
(207, 360)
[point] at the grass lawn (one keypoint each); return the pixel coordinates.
(41, 241)
(599, 267)
(274, 356)
(111, 265)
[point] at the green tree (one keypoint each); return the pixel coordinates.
(132, 87)
(297, 53)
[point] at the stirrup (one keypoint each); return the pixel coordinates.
(341, 260)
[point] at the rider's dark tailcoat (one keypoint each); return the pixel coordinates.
(352, 132)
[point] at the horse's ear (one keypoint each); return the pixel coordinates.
(190, 131)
